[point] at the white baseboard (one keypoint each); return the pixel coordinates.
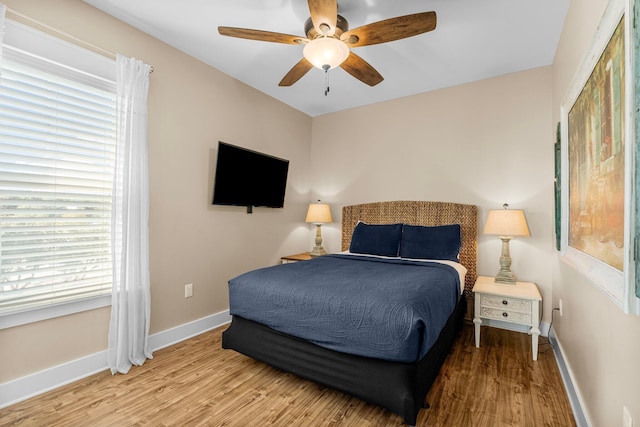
(23, 388)
(575, 398)
(187, 330)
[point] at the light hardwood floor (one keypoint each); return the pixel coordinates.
(196, 383)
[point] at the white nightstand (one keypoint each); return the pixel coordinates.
(519, 304)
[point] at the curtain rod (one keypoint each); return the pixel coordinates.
(68, 36)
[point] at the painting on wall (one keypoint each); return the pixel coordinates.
(596, 158)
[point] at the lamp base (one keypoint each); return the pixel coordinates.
(317, 251)
(505, 277)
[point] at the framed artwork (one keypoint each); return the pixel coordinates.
(596, 159)
(595, 162)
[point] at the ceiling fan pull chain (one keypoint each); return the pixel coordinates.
(326, 78)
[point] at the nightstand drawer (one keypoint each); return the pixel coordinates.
(505, 315)
(505, 303)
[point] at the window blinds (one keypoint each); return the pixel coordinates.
(57, 149)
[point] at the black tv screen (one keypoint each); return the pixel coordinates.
(249, 178)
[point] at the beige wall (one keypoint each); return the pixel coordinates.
(483, 143)
(601, 344)
(191, 107)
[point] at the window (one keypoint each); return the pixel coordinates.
(57, 149)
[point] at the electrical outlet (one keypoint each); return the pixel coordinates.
(188, 290)
(560, 307)
(627, 421)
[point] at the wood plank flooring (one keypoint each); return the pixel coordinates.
(196, 383)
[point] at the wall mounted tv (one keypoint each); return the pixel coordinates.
(249, 178)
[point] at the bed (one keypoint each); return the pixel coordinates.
(379, 360)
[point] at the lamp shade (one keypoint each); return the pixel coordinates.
(319, 213)
(326, 51)
(507, 222)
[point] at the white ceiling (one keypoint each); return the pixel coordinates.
(473, 40)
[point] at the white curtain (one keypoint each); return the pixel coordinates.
(130, 308)
(3, 11)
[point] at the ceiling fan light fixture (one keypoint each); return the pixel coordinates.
(325, 51)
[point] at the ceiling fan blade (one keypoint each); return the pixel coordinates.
(265, 36)
(361, 70)
(296, 73)
(324, 12)
(390, 29)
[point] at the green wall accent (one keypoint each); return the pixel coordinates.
(636, 71)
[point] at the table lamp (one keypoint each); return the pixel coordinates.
(506, 223)
(318, 214)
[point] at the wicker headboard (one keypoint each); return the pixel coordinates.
(420, 213)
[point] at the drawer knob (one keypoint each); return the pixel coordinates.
(505, 314)
(505, 302)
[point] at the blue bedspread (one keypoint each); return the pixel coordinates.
(387, 309)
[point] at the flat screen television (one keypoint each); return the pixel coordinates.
(248, 178)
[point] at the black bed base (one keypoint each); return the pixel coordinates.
(399, 387)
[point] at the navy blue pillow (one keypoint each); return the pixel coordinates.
(440, 242)
(376, 239)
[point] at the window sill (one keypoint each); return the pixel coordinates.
(43, 313)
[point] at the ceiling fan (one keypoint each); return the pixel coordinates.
(328, 40)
